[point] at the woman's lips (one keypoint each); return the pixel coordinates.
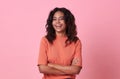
(58, 26)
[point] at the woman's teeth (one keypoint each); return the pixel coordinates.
(58, 26)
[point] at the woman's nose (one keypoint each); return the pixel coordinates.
(58, 20)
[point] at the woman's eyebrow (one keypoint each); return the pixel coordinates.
(59, 17)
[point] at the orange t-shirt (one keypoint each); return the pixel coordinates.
(57, 53)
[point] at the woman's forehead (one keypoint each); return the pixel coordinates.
(58, 13)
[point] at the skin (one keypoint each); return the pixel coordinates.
(72, 69)
(60, 27)
(59, 23)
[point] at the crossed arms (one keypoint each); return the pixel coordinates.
(59, 69)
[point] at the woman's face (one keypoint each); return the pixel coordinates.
(59, 22)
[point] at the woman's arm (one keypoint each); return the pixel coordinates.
(49, 70)
(66, 69)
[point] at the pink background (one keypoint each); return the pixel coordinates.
(22, 26)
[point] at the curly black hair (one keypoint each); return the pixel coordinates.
(70, 26)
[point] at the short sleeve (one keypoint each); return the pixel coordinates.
(77, 60)
(42, 58)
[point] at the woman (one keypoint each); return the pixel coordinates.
(60, 50)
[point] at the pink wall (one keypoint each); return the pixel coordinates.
(22, 25)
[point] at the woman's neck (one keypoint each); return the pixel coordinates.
(60, 34)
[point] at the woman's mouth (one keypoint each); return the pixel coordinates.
(58, 26)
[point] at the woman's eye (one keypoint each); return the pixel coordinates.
(54, 19)
(61, 18)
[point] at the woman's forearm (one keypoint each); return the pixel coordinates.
(66, 69)
(49, 70)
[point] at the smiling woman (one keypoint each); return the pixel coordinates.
(60, 50)
(59, 23)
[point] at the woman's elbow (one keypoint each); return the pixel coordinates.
(77, 70)
(41, 69)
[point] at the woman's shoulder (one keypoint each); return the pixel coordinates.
(44, 39)
(78, 41)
